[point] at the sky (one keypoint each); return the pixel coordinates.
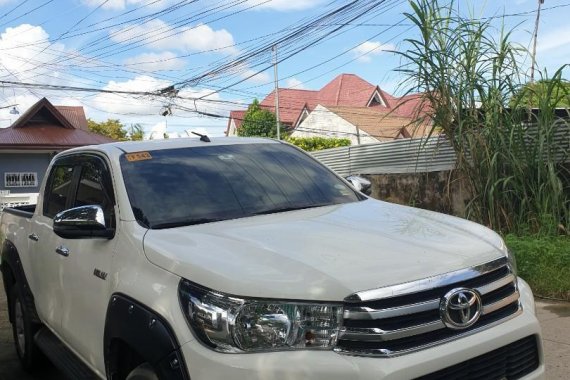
(124, 54)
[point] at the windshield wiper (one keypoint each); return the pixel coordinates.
(182, 223)
(289, 208)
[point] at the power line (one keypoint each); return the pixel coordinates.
(27, 13)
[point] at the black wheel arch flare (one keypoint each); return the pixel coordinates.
(12, 266)
(145, 332)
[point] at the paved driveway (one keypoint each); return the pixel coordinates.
(9, 365)
(554, 318)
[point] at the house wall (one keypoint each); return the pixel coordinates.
(324, 123)
(24, 162)
(232, 130)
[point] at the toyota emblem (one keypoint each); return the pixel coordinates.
(460, 308)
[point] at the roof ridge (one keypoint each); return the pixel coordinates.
(339, 87)
(297, 89)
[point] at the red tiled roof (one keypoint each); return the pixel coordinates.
(291, 103)
(44, 126)
(346, 90)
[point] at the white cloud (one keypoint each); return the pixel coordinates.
(161, 35)
(115, 4)
(183, 105)
(255, 76)
(366, 50)
(156, 61)
(126, 104)
(22, 101)
(553, 39)
(286, 5)
(27, 53)
(294, 83)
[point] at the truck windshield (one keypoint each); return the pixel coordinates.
(177, 187)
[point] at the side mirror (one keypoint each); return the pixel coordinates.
(361, 184)
(82, 222)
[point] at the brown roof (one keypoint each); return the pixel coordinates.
(75, 115)
(44, 126)
(382, 126)
(46, 136)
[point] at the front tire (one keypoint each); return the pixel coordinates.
(143, 372)
(23, 330)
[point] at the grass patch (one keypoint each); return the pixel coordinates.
(544, 262)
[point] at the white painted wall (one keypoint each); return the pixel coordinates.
(324, 123)
(232, 131)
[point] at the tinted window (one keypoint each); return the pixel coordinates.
(91, 189)
(197, 185)
(58, 190)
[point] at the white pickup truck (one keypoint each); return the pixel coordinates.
(247, 259)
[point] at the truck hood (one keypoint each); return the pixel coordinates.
(325, 253)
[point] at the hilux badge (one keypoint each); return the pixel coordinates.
(99, 273)
(460, 308)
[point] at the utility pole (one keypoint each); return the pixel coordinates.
(535, 36)
(276, 90)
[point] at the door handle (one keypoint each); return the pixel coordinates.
(33, 237)
(62, 250)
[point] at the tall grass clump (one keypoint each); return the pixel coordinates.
(472, 85)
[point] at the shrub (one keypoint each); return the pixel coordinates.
(311, 144)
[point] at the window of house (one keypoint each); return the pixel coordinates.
(28, 179)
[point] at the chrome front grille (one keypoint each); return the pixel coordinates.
(404, 318)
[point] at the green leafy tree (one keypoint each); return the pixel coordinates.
(555, 92)
(136, 133)
(111, 128)
(258, 122)
(114, 129)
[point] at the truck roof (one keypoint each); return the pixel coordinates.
(118, 148)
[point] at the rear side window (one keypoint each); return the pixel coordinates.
(59, 190)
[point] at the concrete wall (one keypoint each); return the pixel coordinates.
(439, 191)
(23, 162)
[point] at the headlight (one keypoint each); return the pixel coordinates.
(231, 324)
(512, 261)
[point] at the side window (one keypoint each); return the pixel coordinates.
(58, 191)
(94, 189)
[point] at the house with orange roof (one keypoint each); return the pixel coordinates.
(347, 91)
(28, 145)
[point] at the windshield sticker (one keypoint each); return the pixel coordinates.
(138, 156)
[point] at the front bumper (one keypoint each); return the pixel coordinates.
(205, 364)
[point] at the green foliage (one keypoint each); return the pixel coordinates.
(136, 133)
(543, 262)
(556, 93)
(468, 75)
(258, 122)
(114, 129)
(310, 144)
